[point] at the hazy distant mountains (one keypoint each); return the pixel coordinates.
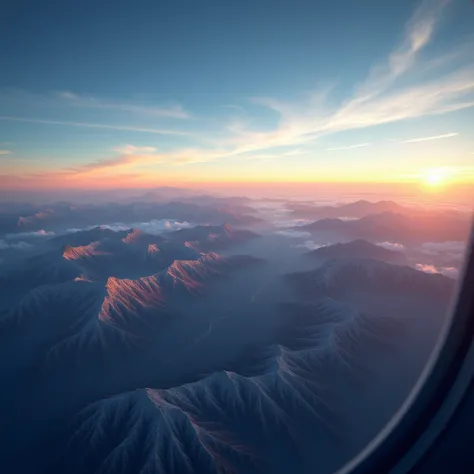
(389, 226)
(356, 209)
(86, 237)
(63, 216)
(357, 249)
(211, 237)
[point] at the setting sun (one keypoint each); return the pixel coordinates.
(436, 177)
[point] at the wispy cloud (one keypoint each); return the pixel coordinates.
(131, 156)
(427, 139)
(238, 108)
(175, 111)
(5, 152)
(125, 128)
(382, 98)
(135, 150)
(419, 31)
(376, 101)
(360, 145)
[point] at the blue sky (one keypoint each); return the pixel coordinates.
(155, 92)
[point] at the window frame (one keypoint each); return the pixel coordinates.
(430, 407)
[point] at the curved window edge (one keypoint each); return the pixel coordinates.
(440, 389)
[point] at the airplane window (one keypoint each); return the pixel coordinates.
(232, 234)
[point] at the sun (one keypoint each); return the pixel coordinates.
(435, 177)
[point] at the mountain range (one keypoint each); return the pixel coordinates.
(62, 216)
(389, 226)
(356, 209)
(357, 249)
(124, 351)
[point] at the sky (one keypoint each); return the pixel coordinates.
(111, 94)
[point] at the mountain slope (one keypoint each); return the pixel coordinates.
(206, 238)
(340, 275)
(356, 209)
(356, 249)
(405, 228)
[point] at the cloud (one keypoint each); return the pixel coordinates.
(280, 221)
(5, 152)
(138, 156)
(176, 111)
(376, 101)
(17, 245)
(233, 107)
(120, 128)
(426, 139)
(154, 227)
(360, 145)
(451, 272)
(392, 246)
(310, 245)
(135, 150)
(293, 234)
(21, 246)
(34, 234)
(403, 86)
(419, 31)
(347, 219)
(426, 268)
(451, 246)
(455, 250)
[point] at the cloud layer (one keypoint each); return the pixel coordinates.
(154, 227)
(451, 272)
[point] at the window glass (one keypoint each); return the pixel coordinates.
(230, 232)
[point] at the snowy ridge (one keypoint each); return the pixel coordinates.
(219, 424)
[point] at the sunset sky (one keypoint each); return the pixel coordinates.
(95, 94)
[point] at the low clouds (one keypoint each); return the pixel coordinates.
(154, 227)
(443, 257)
(311, 245)
(392, 246)
(451, 272)
(4, 245)
(284, 223)
(278, 214)
(347, 219)
(452, 250)
(5, 152)
(456, 246)
(28, 235)
(293, 234)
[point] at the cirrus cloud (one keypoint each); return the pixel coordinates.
(427, 139)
